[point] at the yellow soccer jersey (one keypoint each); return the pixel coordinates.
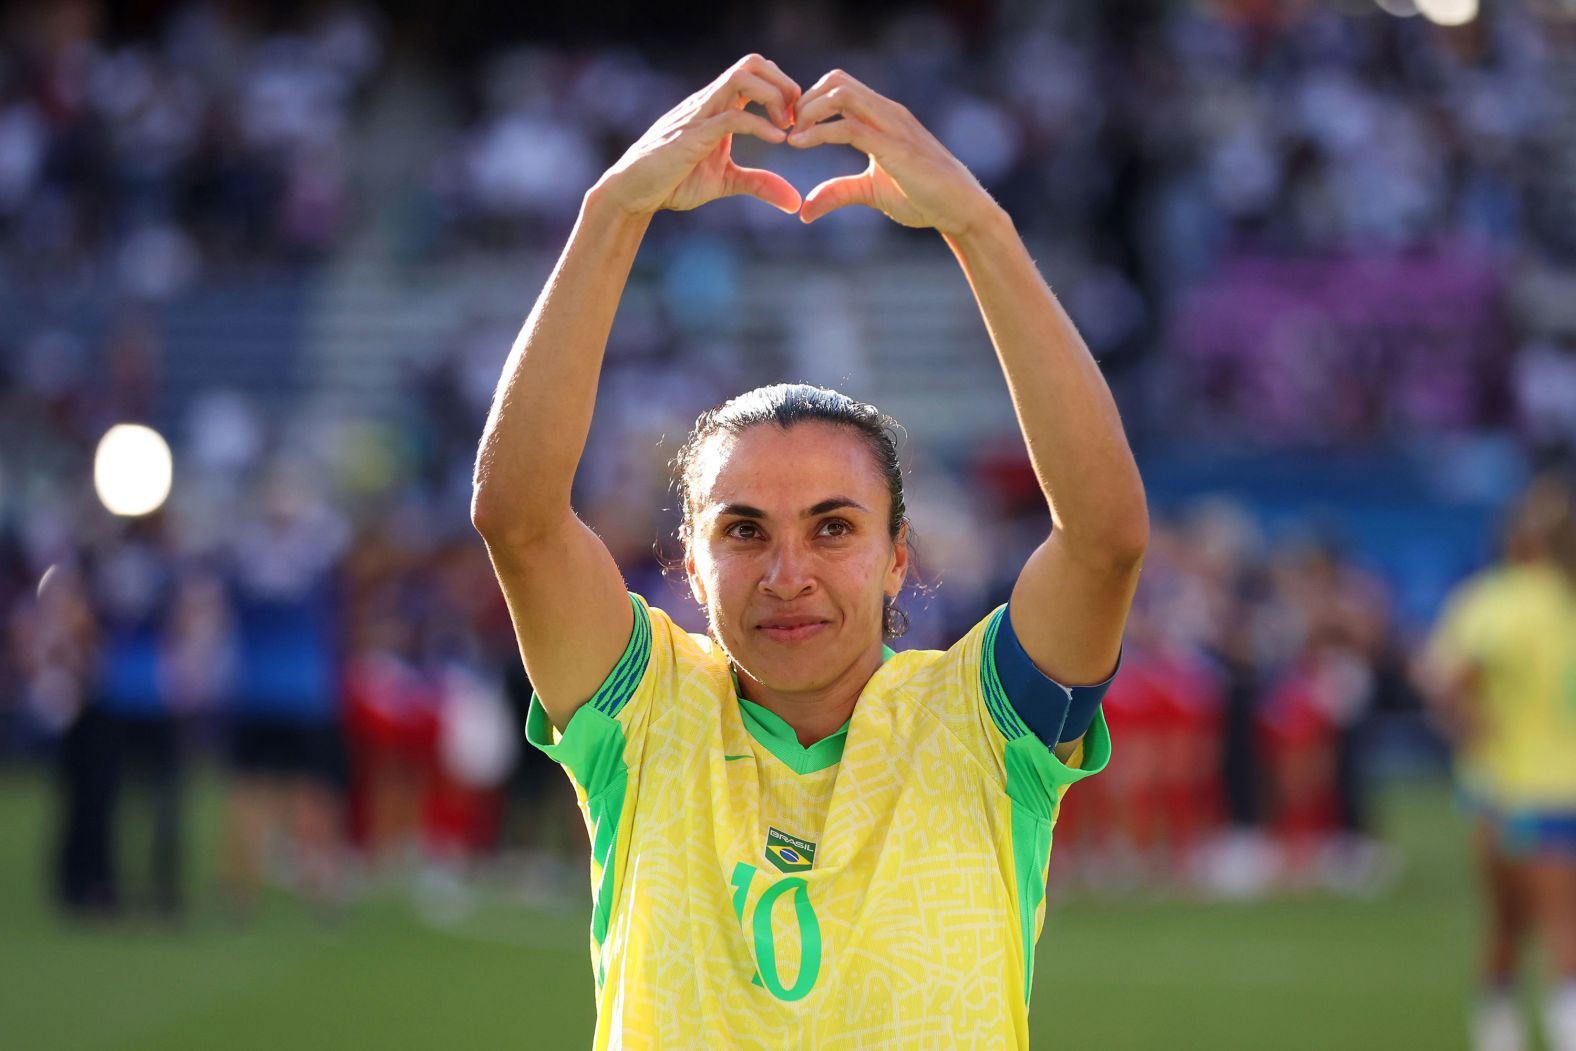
(1517, 626)
(882, 888)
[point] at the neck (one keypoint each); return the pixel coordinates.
(814, 714)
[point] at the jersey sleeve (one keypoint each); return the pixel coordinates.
(591, 749)
(605, 738)
(1028, 769)
(602, 746)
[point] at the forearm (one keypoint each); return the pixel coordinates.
(541, 412)
(1068, 417)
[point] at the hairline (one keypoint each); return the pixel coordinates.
(724, 431)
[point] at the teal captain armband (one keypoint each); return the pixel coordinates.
(1053, 712)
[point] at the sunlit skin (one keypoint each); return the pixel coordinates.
(791, 556)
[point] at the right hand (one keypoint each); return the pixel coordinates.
(684, 159)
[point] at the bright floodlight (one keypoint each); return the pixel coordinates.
(1448, 12)
(1398, 8)
(132, 470)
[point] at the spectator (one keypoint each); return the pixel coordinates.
(286, 744)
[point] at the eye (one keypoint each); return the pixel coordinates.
(835, 527)
(743, 531)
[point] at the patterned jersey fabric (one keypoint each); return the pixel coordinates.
(882, 888)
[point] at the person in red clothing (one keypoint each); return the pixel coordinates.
(392, 727)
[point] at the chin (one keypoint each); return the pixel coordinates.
(796, 671)
(796, 681)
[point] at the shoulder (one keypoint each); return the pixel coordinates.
(673, 649)
(960, 689)
(942, 672)
(1477, 584)
(665, 628)
(664, 673)
(1480, 596)
(659, 657)
(1508, 593)
(949, 686)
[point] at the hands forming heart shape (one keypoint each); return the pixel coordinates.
(685, 158)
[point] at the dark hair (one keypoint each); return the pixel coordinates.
(786, 404)
(1539, 523)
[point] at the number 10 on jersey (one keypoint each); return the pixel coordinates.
(760, 926)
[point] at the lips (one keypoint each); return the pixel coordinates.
(791, 629)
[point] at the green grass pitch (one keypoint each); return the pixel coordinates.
(1312, 974)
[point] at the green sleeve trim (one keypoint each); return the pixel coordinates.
(588, 748)
(1031, 854)
(619, 686)
(1001, 710)
(1036, 778)
(591, 749)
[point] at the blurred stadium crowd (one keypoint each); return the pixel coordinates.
(1279, 227)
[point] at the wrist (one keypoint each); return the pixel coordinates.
(602, 206)
(985, 222)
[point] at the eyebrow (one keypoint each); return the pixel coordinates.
(836, 503)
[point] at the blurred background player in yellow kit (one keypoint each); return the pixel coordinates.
(902, 804)
(1501, 670)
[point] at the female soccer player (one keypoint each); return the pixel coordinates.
(800, 838)
(1500, 670)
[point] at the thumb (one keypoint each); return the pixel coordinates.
(768, 186)
(836, 193)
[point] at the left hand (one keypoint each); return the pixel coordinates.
(912, 178)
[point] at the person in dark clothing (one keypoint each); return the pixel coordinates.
(55, 643)
(134, 585)
(286, 743)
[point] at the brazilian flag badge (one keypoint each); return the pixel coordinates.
(788, 853)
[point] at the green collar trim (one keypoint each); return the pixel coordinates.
(774, 734)
(777, 737)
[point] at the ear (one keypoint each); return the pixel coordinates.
(696, 587)
(897, 568)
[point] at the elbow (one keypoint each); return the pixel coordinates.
(1132, 537)
(499, 529)
(1125, 540)
(1109, 531)
(506, 521)
(491, 516)
(1119, 547)
(484, 509)
(1130, 543)
(1126, 556)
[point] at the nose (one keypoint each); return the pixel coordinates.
(788, 573)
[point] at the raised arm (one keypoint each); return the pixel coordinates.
(565, 596)
(1071, 600)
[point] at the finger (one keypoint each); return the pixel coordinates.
(737, 122)
(833, 79)
(747, 88)
(768, 186)
(752, 81)
(837, 193)
(770, 72)
(849, 131)
(852, 95)
(840, 100)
